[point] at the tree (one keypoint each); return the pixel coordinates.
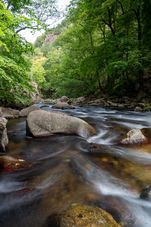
(14, 66)
(104, 46)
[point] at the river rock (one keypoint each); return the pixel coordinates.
(26, 111)
(62, 105)
(3, 134)
(117, 207)
(135, 136)
(64, 99)
(138, 109)
(9, 112)
(97, 102)
(8, 163)
(79, 215)
(43, 123)
(79, 101)
(146, 193)
(49, 101)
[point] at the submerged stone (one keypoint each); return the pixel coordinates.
(79, 215)
(146, 193)
(9, 164)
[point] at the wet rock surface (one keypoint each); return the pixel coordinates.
(79, 215)
(146, 193)
(3, 134)
(8, 163)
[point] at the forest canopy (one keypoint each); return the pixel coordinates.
(15, 65)
(100, 47)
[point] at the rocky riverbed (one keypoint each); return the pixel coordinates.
(42, 178)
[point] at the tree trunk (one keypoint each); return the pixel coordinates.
(140, 39)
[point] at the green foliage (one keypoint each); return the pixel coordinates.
(104, 45)
(14, 66)
(16, 76)
(37, 70)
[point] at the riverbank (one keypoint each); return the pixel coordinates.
(138, 104)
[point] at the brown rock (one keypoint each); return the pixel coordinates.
(8, 112)
(62, 105)
(79, 215)
(64, 99)
(79, 101)
(8, 163)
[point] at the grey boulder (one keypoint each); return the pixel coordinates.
(24, 112)
(42, 123)
(3, 134)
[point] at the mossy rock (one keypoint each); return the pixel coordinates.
(79, 215)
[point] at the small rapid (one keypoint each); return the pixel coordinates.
(64, 169)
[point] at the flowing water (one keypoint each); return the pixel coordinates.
(67, 169)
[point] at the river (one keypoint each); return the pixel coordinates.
(66, 169)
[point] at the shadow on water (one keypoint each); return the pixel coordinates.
(63, 170)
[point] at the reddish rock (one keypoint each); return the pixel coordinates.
(9, 164)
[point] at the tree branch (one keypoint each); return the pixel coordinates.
(26, 27)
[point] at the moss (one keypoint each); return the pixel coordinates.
(79, 215)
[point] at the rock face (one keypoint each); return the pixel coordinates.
(8, 112)
(26, 111)
(3, 134)
(62, 105)
(43, 123)
(135, 136)
(79, 215)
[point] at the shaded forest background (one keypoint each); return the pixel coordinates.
(101, 47)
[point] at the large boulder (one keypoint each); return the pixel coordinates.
(79, 215)
(3, 134)
(43, 123)
(62, 105)
(135, 136)
(8, 112)
(26, 111)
